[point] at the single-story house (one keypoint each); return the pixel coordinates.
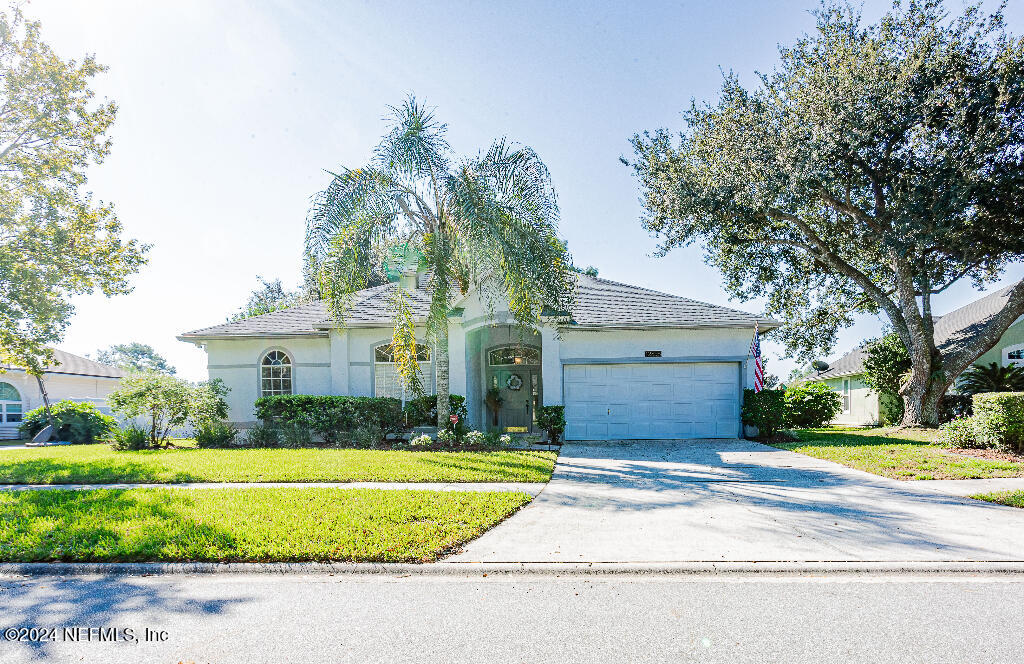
(70, 377)
(627, 362)
(860, 403)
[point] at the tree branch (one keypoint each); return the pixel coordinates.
(980, 342)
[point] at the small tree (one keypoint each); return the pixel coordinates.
(886, 364)
(135, 356)
(168, 402)
(270, 296)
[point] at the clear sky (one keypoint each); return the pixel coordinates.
(230, 112)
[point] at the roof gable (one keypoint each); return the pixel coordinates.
(76, 365)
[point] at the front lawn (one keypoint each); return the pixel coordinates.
(98, 464)
(901, 455)
(1010, 498)
(253, 524)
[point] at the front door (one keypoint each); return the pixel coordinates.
(519, 388)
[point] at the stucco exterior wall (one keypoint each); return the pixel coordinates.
(1014, 336)
(863, 409)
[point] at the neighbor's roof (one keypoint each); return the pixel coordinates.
(951, 331)
(599, 303)
(76, 365)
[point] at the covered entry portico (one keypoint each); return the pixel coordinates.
(504, 378)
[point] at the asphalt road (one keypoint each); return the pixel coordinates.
(344, 618)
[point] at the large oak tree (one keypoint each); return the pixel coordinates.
(873, 168)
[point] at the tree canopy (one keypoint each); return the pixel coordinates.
(270, 296)
(488, 221)
(135, 356)
(873, 168)
(55, 240)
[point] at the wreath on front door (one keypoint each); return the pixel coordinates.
(514, 382)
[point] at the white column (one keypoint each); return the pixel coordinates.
(551, 366)
(456, 358)
(339, 362)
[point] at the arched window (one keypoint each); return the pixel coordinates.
(512, 355)
(275, 374)
(10, 403)
(386, 380)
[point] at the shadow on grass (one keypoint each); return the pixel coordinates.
(521, 466)
(49, 470)
(850, 438)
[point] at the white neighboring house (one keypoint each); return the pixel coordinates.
(71, 377)
(627, 363)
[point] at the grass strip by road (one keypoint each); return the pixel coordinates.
(244, 525)
(98, 464)
(1009, 498)
(899, 454)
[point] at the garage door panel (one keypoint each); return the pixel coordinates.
(651, 401)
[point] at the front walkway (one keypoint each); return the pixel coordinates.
(734, 500)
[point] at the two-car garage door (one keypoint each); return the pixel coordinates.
(651, 401)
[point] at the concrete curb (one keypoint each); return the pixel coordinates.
(450, 569)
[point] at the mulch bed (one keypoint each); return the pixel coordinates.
(987, 454)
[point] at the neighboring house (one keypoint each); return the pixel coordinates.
(629, 363)
(71, 377)
(860, 404)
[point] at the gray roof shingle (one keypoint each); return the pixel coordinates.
(76, 365)
(599, 303)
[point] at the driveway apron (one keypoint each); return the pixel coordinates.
(735, 500)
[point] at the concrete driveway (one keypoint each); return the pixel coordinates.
(735, 500)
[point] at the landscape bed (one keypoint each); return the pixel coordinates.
(900, 454)
(98, 464)
(248, 524)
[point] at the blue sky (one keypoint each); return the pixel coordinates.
(230, 112)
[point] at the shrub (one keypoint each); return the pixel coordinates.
(890, 409)
(475, 439)
(999, 419)
(331, 416)
(366, 437)
(215, 434)
(958, 433)
(168, 402)
(422, 411)
(811, 405)
(130, 439)
(765, 410)
(422, 441)
(295, 435)
(262, 435)
(76, 422)
(447, 439)
(552, 420)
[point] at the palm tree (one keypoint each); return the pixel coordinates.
(991, 378)
(484, 221)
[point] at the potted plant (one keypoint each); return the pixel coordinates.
(552, 420)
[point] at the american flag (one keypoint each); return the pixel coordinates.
(755, 350)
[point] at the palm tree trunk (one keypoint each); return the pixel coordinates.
(441, 352)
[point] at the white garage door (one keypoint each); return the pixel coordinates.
(651, 401)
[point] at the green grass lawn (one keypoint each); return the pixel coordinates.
(901, 455)
(253, 524)
(1011, 498)
(97, 464)
(17, 441)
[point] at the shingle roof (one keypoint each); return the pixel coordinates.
(951, 331)
(599, 303)
(76, 365)
(604, 303)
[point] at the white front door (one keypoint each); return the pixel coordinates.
(651, 401)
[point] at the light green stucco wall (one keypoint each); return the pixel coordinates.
(863, 402)
(1014, 335)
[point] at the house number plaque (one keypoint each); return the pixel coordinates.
(652, 353)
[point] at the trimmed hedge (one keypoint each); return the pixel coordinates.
(765, 410)
(811, 405)
(999, 419)
(330, 416)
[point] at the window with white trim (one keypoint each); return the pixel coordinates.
(10, 404)
(1013, 354)
(275, 374)
(846, 395)
(387, 382)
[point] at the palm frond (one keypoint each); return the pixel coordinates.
(991, 378)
